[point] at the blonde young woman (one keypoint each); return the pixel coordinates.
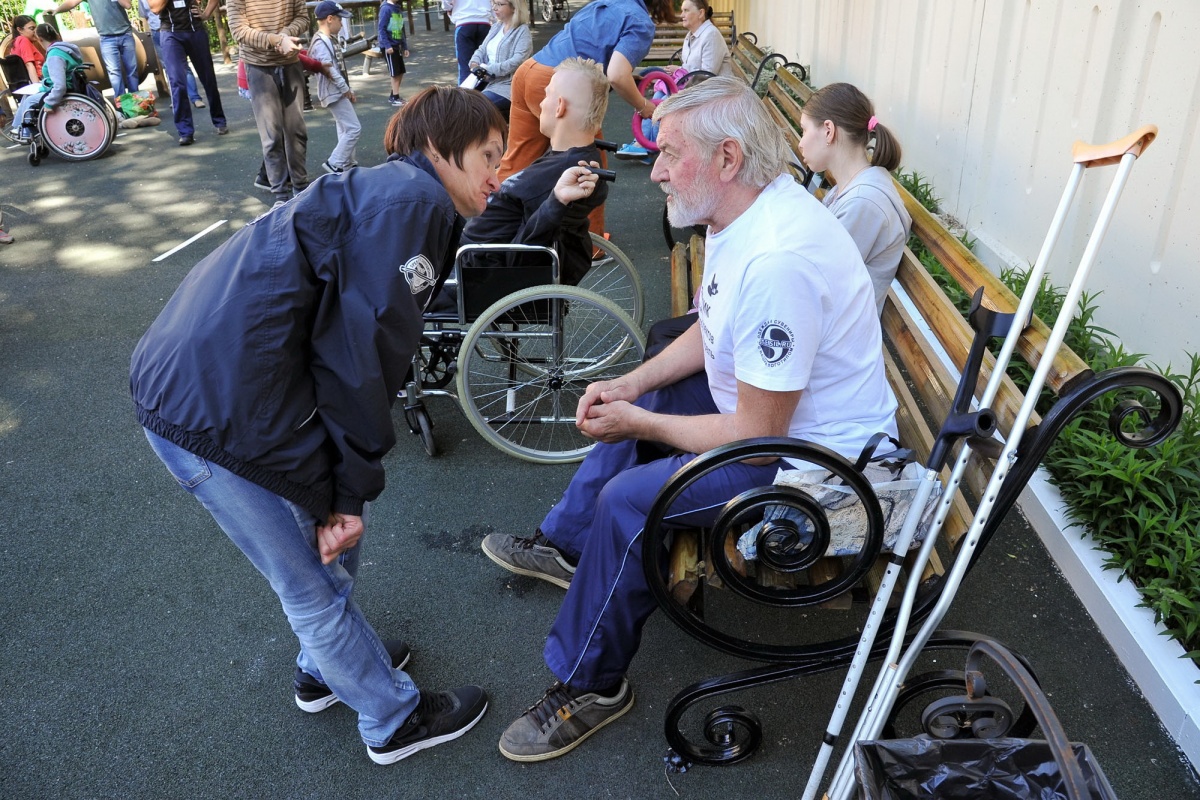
(843, 138)
(505, 48)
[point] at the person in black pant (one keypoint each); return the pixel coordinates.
(184, 37)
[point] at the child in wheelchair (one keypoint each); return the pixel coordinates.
(61, 72)
(548, 202)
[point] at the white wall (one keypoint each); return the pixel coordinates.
(987, 97)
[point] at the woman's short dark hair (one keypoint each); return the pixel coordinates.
(448, 119)
(851, 111)
(47, 32)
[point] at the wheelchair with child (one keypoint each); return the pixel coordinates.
(520, 347)
(80, 128)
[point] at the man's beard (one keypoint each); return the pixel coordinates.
(685, 210)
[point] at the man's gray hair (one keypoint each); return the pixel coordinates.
(731, 110)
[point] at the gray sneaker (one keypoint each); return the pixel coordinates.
(534, 557)
(560, 721)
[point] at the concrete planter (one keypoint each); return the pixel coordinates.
(1155, 662)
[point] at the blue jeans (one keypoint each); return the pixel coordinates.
(120, 62)
(337, 646)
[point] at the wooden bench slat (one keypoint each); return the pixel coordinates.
(681, 297)
(927, 375)
(955, 334)
(684, 570)
(696, 247)
(970, 273)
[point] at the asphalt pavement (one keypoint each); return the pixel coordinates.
(142, 657)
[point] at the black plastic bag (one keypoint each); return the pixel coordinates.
(984, 769)
(996, 769)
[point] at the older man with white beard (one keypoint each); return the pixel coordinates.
(788, 344)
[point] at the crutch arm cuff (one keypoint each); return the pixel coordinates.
(1100, 155)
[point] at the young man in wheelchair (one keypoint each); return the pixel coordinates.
(64, 60)
(548, 202)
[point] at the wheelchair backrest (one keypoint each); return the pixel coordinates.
(15, 74)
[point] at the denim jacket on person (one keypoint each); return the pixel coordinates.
(281, 353)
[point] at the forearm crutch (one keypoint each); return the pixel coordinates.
(977, 428)
(1123, 153)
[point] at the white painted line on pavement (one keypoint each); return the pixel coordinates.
(182, 245)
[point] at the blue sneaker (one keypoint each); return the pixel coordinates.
(632, 152)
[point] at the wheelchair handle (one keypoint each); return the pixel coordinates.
(604, 144)
(605, 174)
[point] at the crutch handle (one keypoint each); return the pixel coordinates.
(1101, 155)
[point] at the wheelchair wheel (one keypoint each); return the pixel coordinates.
(79, 129)
(420, 424)
(527, 360)
(547, 7)
(612, 275)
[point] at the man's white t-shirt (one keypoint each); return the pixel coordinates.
(786, 304)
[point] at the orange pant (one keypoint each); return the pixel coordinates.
(526, 143)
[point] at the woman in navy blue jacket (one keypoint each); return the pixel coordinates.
(266, 386)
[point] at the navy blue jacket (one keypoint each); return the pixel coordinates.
(281, 353)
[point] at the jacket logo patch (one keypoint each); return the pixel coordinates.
(419, 274)
(775, 342)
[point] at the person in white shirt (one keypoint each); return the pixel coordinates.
(788, 344)
(472, 20)
(843, 138)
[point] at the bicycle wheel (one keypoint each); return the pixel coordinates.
(613, 275)
(527, 360)
(547, 10)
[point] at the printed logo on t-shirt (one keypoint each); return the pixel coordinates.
(712, 287)
(419, 274)
(775, 342)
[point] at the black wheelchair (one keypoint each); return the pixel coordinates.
(520, 347)
(80, 128)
